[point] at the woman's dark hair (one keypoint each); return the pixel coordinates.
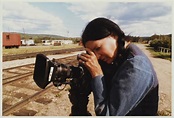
(100, 28)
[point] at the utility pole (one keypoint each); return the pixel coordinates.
(24, 36)
(67, 33)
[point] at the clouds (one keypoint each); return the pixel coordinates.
(89, 10)
(143, 11)
(147, 19)
(136, 18)
(144, 18)
(22, 15)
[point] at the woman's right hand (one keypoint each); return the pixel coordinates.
(90, 61)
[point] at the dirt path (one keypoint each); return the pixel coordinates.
(163, 69)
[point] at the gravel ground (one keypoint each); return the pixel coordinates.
(61, 105)
(163, 69)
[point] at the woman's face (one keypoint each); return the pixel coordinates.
(105, 49)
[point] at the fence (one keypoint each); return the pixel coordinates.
(164, 50)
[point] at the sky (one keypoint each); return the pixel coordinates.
(69, 18)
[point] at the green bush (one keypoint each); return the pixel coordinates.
(163, 42)
(155, 43)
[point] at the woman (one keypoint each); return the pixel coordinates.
(123, 79)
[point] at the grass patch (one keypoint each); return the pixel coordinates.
(31, 49)
(157, 54)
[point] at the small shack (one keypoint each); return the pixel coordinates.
(11, 40)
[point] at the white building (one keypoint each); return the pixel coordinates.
(23, 42)
(46, 42)
(27, 42)
(56, 42)
(61, 42)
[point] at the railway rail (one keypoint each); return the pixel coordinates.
(19, 89)
(29, 55)
(16, 73)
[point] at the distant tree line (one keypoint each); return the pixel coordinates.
(137, 39)
(39, 37)
(154, 41)
(157, 41)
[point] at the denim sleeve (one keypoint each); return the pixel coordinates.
(129, 86)
(100, 98)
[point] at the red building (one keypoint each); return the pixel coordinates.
(11, 40)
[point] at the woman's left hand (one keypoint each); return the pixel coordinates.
(91, 63)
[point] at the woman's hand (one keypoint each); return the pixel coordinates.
(91, 63)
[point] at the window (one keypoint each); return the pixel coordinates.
(7, 36)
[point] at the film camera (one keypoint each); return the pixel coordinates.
(47, 71)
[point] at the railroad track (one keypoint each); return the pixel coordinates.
(20, 91)
(16, 73)
(30, 55)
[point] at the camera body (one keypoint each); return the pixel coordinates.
(46, 71)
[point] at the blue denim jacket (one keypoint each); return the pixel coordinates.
(129, 85)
